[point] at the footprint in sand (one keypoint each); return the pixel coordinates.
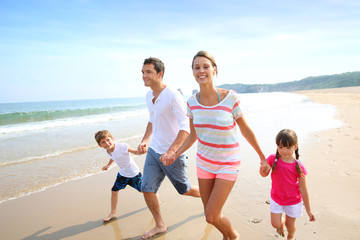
(256, 220)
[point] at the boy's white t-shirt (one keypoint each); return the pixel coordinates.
(123, 159)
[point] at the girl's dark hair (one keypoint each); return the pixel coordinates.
(287, 138)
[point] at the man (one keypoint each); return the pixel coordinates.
(169, 127)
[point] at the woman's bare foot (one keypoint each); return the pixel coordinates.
(153, 232)
(110, 217)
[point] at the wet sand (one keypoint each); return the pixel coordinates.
(74, 210)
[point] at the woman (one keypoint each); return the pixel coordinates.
(214, 116)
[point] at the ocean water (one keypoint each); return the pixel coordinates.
(43, 144)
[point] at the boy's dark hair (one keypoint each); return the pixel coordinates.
(287, 138)
(101, 135)
(158, 64)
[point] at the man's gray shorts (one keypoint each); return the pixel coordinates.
(154, 173)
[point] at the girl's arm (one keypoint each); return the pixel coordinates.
(305, 197)
(106, 167)
(189, 141)
(251, 139)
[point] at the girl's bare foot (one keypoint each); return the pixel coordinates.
(237, 235)
(110, 217)
(153, 232)
(280, 231)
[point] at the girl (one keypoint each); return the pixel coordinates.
(288, 191)
(214, 116)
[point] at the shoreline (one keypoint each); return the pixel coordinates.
(74, 210)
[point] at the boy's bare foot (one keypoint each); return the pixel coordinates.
(110, 217)
(153, 232)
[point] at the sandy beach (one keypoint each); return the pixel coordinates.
(74, 210)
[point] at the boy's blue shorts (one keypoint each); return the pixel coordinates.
(121, 182)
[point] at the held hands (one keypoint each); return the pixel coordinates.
(142, 148)
(168, 158)
(264, 168)
(264, 171)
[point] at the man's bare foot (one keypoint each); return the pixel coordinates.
(153, 232)
(193, 192)
(110, 217)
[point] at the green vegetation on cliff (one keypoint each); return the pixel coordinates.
(348, 79)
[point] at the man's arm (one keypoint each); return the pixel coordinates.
(142, 148)
(178, 107)
(168, 159)
(181, 137)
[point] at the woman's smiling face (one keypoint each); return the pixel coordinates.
(203, 70)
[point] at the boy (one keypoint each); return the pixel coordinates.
(129, 173)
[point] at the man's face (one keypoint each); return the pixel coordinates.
(150, 76)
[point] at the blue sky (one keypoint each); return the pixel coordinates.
(86, 49)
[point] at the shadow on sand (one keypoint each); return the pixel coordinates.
(74, 230)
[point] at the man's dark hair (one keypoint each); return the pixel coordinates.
(158, 64)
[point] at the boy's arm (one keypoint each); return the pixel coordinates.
(305, 197)
(134, 151)
(106, 167)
